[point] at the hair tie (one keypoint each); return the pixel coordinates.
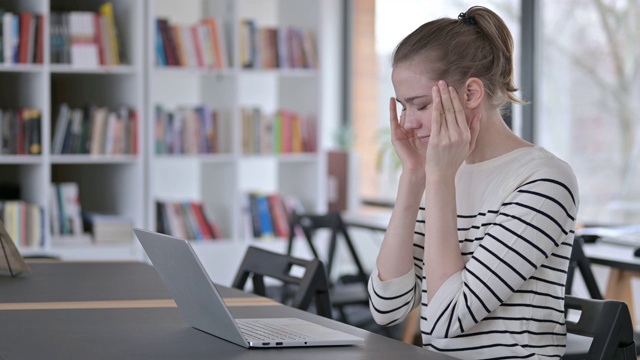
(469, 20)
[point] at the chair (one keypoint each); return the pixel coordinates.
(608, 322)
(352, 289)
(312, 285)
(577, 347)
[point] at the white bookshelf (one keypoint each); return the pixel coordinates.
(221, 180)
(107, 184)
(131, 184)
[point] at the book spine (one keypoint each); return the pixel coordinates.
(106, 10)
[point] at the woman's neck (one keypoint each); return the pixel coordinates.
(494, 139)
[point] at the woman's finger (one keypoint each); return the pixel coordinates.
(393, 117)
(436, 114)
(393, 114)
(447, 105)
(457, 108)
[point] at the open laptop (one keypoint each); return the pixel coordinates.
(628, 235)
(204, 309)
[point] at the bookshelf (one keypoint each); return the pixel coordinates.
(222, 180)
(129, 184)
(111, 184)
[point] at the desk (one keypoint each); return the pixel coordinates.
(624, 266)
(145, 332)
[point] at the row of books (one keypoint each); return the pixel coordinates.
(85, 38)
(186, 220)
(281, 133)
(20, 131)
(186, 130)
(276, 47)
(21, 37)
(267, 214)
(65, 211)
(201, 45)
(70, 225)
(95, 130)
(24, 222)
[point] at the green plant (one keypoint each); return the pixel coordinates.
(386, 152)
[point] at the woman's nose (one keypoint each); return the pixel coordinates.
(412, 122)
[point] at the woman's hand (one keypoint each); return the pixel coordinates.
(410, 149)
(452, 139)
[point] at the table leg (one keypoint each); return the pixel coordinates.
(619, 287)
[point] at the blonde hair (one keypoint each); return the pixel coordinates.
(477, 44)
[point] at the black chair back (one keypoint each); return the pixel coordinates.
(312, 285)
(310, 223)
(608, 322)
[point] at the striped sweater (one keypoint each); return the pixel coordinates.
(516, 217)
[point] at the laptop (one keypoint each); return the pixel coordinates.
(628, 235)
(204, 309)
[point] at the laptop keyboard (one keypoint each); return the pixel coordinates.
(264, 331)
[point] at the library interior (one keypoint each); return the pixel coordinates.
(257, 131)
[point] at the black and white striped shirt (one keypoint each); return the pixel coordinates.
(516, 217)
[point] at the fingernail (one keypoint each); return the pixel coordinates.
(442, 84)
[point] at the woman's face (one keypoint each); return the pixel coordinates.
(413, 85)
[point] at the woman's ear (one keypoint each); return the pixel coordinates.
(473, 92)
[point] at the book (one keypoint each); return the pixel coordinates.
(191, 222)
(98, 129)
(25, 22)
(278, 215)
(54, 210)
(203, 224)
(70, 212)
(254, 215)
(161, 59)
(107, 228)
(106, 10)
(264, 214)
(217, 43)
(84, 48)
(61, 129)
(196, 38)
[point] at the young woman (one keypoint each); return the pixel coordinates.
(483, 223)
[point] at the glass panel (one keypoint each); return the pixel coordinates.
(393, 21)
(588, 92)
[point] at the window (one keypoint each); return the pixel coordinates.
(588, 108)
(378, 26)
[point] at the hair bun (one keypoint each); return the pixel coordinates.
(469, 20)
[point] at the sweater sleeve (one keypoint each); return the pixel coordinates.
(532, 222)
(392, 300)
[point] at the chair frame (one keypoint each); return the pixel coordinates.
(309, 223)
(354, 290)
(311, 286)
(579, 261)
(608, 322)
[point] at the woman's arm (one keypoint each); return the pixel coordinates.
(451, 141)
(396, 251)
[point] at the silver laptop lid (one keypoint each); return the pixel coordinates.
(191, 288)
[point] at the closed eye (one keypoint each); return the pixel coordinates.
(423, 107)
